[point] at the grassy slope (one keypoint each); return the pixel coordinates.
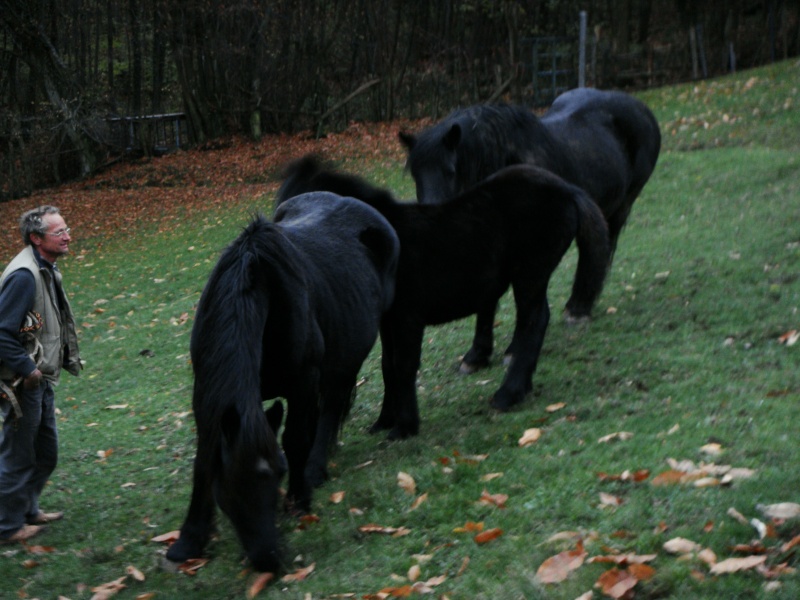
(704, 282)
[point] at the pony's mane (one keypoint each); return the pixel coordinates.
(312, 174)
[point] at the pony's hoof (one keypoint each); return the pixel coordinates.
(572, 318)
(466, 368)
(503, 402)
(379, 426)
(402, 433)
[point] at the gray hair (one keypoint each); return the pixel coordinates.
(32, 221)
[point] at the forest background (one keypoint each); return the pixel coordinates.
(85, 83)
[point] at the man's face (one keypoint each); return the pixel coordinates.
(55, 242)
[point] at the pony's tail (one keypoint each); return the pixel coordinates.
(594, 256)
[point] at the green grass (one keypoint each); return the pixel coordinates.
(683, 351)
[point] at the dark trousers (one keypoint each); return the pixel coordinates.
(28, 455)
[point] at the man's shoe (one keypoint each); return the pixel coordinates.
(23, 534)
(42, 518)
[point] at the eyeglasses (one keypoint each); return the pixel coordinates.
(60, 233)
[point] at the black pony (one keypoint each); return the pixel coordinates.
(460, 257)
(606, 143)
(291, 310)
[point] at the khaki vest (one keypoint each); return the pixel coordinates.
(58, 328)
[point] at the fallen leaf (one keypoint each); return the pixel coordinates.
(413, 573)
(624, 559)
(469, 527)
(711, 449)
(406, 481)
(498, 500)
(616, 436)
(781, 510)
(530, 436)
(337, 497)
(418, 501)
(732, 512)
(610, 500)
(555, 407)
(393, 531)
(488, 535)
(191, 566)
(558, 567)
(259, 583)
(107, 590)
(671, 477)
(490, 476)
(135, 573)
(795, 541)
(790, 337)
(299, 574)
(681, 545)
(168, 537)
(616, 583)
(732, 565)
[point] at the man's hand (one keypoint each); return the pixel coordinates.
(32, 381)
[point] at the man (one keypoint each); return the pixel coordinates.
(37, 340)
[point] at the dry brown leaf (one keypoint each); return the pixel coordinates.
(530, 436)
(259, 583)
(107, 590)
(781, 510)
(555, 407)
(146, 596)
(299, 574)
(418, 501)
(795, 541)
(732, 512)
(413, 573)
(191, 566)
(490, 476)
(498, 500)
(557, 568)
(616, 583)
(624, 559)
(469, 527)
(135, 573)
(337, 497)
(393, 531)
(616, 436)
(712, 449)
(671, 477)
(406, 481)
(641, 571)
(168, 538)
(732, 565)
(790, 337)
(610, 500)
(487, 536)
(681, 545)
(708, 556)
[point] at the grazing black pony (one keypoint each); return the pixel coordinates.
(460, 257)
(291, 310)
(606, 143)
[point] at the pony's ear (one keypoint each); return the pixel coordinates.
(452, 137)
(275, 416)
(407, 139)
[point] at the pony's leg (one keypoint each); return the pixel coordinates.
(335, 403)
(400, 366)
(386, 419)
(533, 316)
(199, 523)
(477, 357)
(298, 437)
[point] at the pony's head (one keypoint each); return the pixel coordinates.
(432, 160)
(247, 488)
